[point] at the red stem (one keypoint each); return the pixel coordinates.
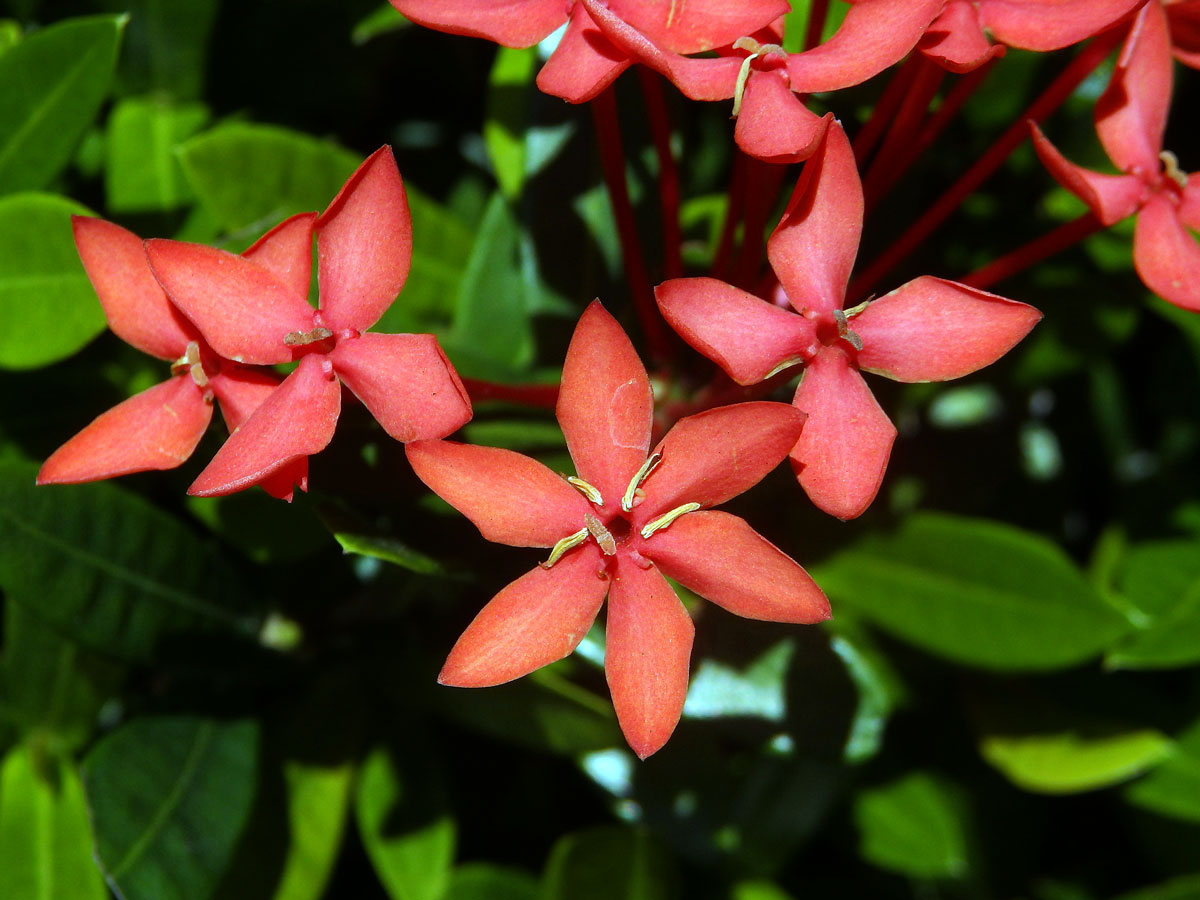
(722, 259)
(885, 108)
(762, 188)
(884, 168)
(543, 396)
(1066, 235)
(816, 23)
(668, 172)
(958, 95)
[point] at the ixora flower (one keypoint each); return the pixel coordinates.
(1131, 117)
(626, 519)
(249, 313)
(926, 330)
(160, 427)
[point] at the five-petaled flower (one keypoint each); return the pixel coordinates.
(629, 517)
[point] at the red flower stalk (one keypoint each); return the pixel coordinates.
(1131, 117)
(926, 330)
(628, 518)
(160, 427)
(254, 313)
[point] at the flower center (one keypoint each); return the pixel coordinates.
(756, 51)
(191, 363)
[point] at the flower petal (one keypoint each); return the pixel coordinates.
(695, 27)
(1184, 21)
(1189, 203)
(511, 498)
(715, 455)
(364, 245)
(406, 382)
(1111, 197)
(584, 63)
(1046, 26)
(1166, 254)
(241, 390)
(813, 248)
(286, 252)
(156, 429)
(844, 448)
(773, 125)
(743, 334)
(932, 330)
(296, 420)
(138, 311)
(605, 404)
(242, 309)
(955, 40)
(647, 651)
(538, 619)
(725, 561)
(513, 23)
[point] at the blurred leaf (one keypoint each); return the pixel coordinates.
(262, 528)
(48, 309)
(515, 434)
(166, 47)
(607, 863)
(1162, 581)
(717, 689)
(389, 549)
(758, 890)
(508, 103)
(1173, 788)
(975, 592)
(1066, 762)
(143, 173)
(381, 21)
(45, 836)
(879, 688)
(169, 798)
(484, 881)
(915, 825)
(1186, 887)
(318, 799)
(123, 572)
(51, 87)
(10, 34)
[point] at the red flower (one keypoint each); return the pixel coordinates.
(254, 313)
(926, 330)
(1131, 116)
(1184, 18)
(628, 519)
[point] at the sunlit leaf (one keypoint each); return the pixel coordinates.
(508, 115)
(143, 172)
(1066, 762)
(916, 825)
(318, 799)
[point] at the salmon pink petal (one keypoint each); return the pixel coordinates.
(241, 390)
(538, 619)
(282, 483)
(1111, 197)
(406, 382)
(743, 334)
(813, 248)
(511, 498)
(156, 429)
(296, 420)
(364, 245)
(1131, 115)
(715, 455)
(242, 309)
(773, 125)
(605, 404)
(286, 252)
(1050, 26)
(138, 311)
(844, 448)
(647, 651)
(1184, 21)
(933, 330)
(695, 27)
(1166, 254)
(584, 63)
(955, 40)
(725, 561)
(513, 23)
(1189, 204)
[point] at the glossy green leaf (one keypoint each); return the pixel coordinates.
(607, 863)
(48, 309)
(45, 837)
(1066, 762)
(318, 800)
(508, 115)
(484, 881)
(1173, 788)
(1162, 581)
(169, 797)
(166, 46)
(915, 825)
(51, 87)
(124, 572)
(975, 592)
(143, 172)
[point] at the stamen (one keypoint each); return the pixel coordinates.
(756, 50)
(844, 331)
(299, 338)
(567, 543)
(786, 364)
(603, 536)
(190, 358)
(666, 519)
(586, 489)
(642, 474)
(1171, 168)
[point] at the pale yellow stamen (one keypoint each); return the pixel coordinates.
(756, 50)
(1171, 168)
(642, 474)
(299, 338)
(786, 364)
(608, 544)
(586, 489)
(666, 519)
(844, 330)
(570, 541)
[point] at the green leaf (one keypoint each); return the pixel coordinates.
(915, 825)
(607, 863)
(1186, 887)
(1162, 581)
(718, 689)
(45, 837)
(123, 572)
(169, 797)
(318, 799)
(1070, 761)
(975, 592)
(381, 21)
(51, 87)
(166, 46)
(758, 890)
(508, 104)
(389, 549)
(143, 172)
(406, 828)
(879, 688)
(48, 309)
(1173, 788)
(484, 881)
(10, 34)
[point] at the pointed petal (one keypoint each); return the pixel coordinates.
(932, 330)
(605, 404)
(364, 245)
(286, 252)
(1131, 115)
(511, 498)
(296, 420)
(955, 40)
(584, 63)
(695, 27)
(138, 311)
(1166, 254)
(743, 334)
(1050, 26)
(844, 448)
(282, 483)
(1184, 21)
(647, 651)
(243, 311)
(725, 561)
(1111, 197)
(1189, 203)
(538, 619)
(715, 455)
(773, 125)
(813, 248)
(513, 23)
(406, 382)
(241, 390)
(156, 429)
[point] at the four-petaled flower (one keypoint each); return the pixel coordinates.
(629, 517)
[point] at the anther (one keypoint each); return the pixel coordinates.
(756, 50)
(300, 338)
(1171, 168)
(567, 543)
(602, 535)
(844, 331)
(786, 364)
(642, 474)
(588, 490)
(666, 519)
